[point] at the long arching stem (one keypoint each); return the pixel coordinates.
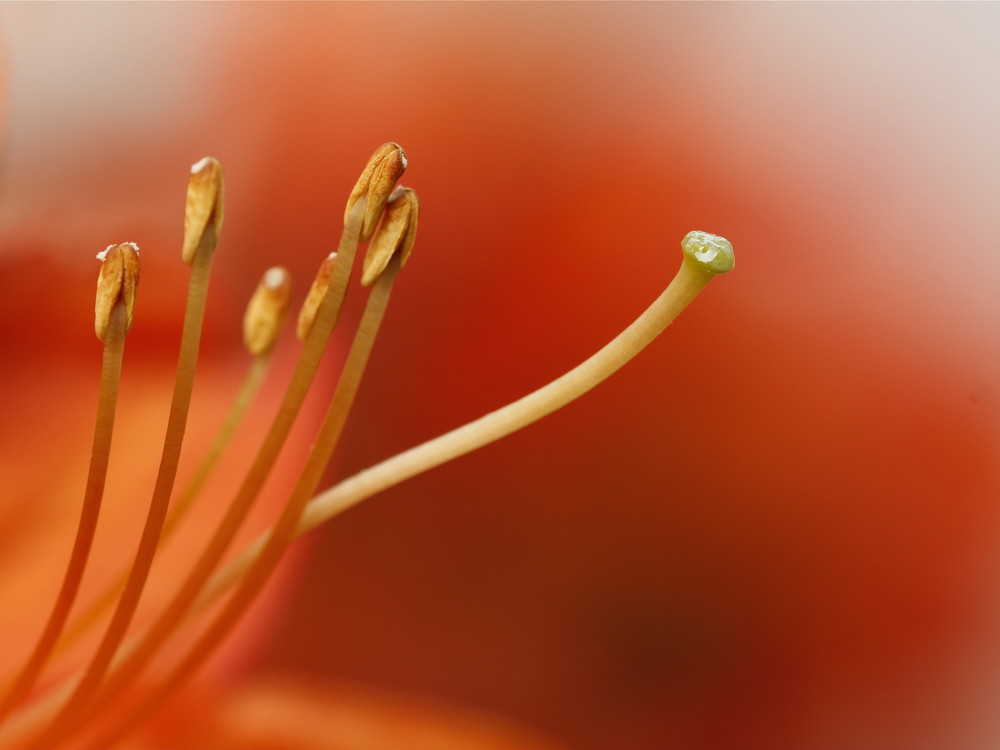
(685, 286)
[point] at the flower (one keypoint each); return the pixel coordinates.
(101, 690)
(826, 586)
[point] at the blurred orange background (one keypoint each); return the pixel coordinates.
(777, 527)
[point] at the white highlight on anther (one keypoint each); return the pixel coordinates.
(197, 167)
(103, 255)
(274, 278)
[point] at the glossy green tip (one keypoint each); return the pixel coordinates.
(709, 251)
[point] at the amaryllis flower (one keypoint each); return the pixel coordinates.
(124, 670)
(109, 693)
(774, 530)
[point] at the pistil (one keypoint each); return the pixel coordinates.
(704, 256)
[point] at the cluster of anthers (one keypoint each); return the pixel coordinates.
(77, 711)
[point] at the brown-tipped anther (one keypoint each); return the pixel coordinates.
(267, 311)
(203, 210)
(395, 234)
(310, 308)
(118, 280)
(377, 181)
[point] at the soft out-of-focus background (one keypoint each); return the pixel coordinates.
(777, 527)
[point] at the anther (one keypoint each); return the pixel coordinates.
(267, 310)
(377, 180)
(118, 280)
(395, 234)
(203, 208)
(310, 308)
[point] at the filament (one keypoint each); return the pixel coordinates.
(167, 623)
(179, 508)
(114, 349)
(176, 422)
(283, 533)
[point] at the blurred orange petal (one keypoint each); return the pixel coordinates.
(296, 714)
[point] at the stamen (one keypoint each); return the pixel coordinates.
(283, 532)
(114, 311)
(266, 313)
(322, 326)
(202, 221)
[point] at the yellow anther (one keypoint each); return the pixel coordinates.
(203, 209)
(310, 308)
(267, 311)
(118, 280)
(395, 234)
(377, 181)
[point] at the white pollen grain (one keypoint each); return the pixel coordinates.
(274, 278)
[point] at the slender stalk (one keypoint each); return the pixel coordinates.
(241, 404)
(702, 261)
(179, 507)
(107, 401)
(686, 285)
(282, 534)
(309, 360)
(176, 422)
(172, 617)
